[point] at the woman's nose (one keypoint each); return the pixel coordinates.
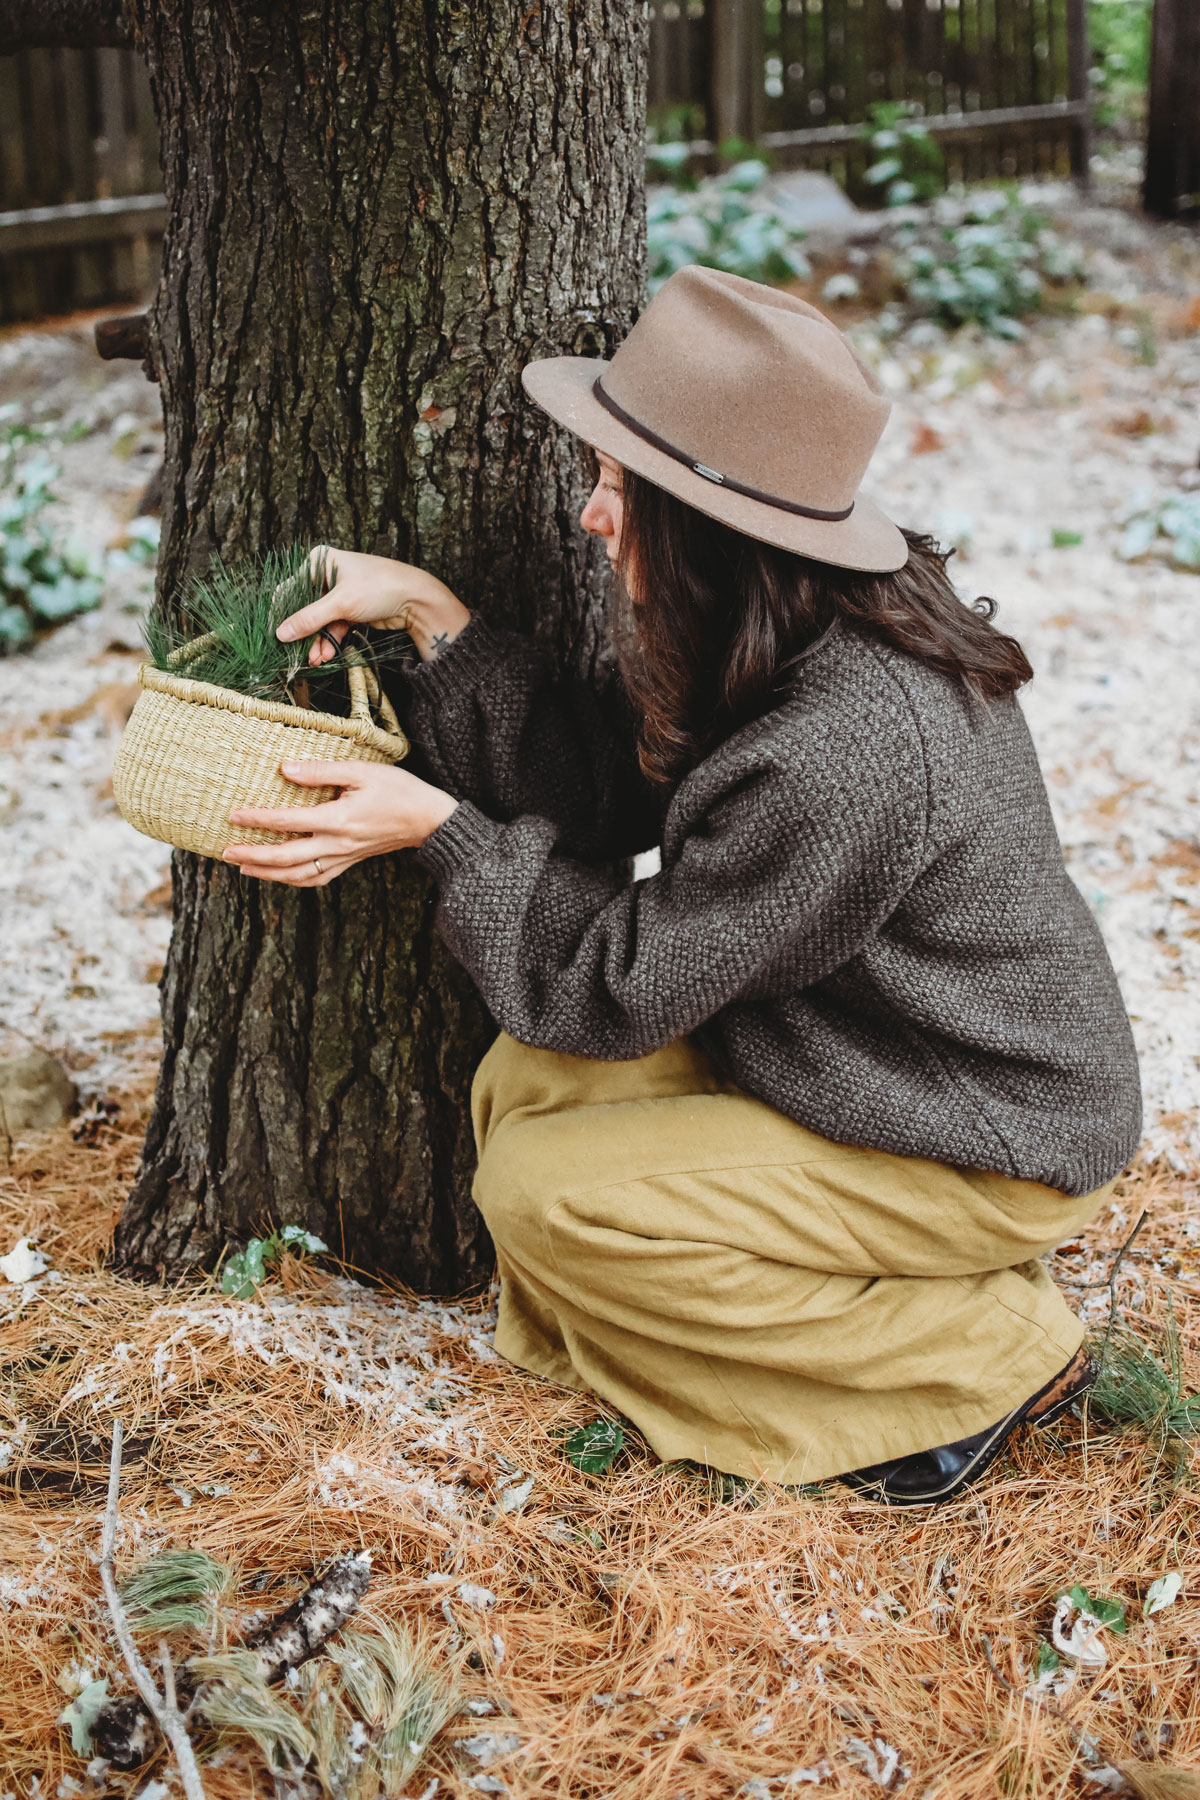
(596, 516)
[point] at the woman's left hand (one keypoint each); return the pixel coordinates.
(378, 809)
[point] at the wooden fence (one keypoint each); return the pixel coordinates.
(81, 212)
(1002, 83)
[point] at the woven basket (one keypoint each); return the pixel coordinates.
(192, 753)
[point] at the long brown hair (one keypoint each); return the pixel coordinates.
(716, 619)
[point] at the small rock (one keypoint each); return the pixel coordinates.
(36, 1092)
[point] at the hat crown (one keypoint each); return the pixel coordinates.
(752, 385)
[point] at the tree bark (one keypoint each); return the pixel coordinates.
(1171, 187)
(379, 213)
(82, 24)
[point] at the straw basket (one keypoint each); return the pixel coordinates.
(191, 753)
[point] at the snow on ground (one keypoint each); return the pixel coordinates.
(995, 447)
(86, 915)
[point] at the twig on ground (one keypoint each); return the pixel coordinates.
(164, 1712)
(1110, 1282)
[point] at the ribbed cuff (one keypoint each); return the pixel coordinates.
(466, 661)
(466, 834)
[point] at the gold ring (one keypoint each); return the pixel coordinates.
(317, 865)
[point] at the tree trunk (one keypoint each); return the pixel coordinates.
(379, 213)
(1171, 188)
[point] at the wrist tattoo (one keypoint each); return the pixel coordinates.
(439, 643)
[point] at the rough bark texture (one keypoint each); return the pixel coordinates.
(1171, 187)
(33, 24)
(379, 213)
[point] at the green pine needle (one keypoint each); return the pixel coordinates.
(174, 1591)
(241, 604)
(238, 1702)
(1136, 1387)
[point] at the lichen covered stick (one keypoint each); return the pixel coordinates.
(299, 1632)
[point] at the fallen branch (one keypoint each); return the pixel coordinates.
(123, 1732)
(298, 1633)
(164, 1712)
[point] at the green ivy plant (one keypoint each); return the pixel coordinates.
(1169, 531)
(594, 1448)
(908, 164)
(246, 1270)
(42, 584)
(722, 221)
(984, 258)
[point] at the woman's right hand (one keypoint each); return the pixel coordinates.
(374, 590)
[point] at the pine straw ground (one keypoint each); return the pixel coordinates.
(652, 1635)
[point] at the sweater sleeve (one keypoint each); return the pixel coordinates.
(770, 879)
(497, 727)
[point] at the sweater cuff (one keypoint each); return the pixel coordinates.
(469, 659)
(466, 834)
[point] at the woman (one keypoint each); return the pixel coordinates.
(771, 1142)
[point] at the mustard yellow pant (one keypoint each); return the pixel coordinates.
(751, 1295)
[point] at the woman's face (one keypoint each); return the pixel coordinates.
(602, 514)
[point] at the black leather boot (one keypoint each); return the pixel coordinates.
(930, 1476)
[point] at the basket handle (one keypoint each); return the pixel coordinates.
(365, 693)
(187, 653)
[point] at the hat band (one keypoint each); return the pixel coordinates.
(698, 468)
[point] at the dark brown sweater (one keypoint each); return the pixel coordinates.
(863, 913)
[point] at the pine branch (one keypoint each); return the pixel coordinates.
(78, 24)
(123, 1731)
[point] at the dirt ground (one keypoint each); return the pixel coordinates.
(649, 1633)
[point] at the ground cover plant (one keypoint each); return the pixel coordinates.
(42, 581)
(608, 1625)
(721, 221)
(984, 257)
(1168, 530)
(908, 164)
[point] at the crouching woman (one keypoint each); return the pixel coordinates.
(772, 1141)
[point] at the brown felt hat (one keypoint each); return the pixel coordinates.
(745, 402)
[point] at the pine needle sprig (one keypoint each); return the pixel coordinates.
(239, 606)
(174, 1590)
(1136, 1387)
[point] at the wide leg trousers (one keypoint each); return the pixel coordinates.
(751, 1295)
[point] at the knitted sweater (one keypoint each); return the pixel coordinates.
(862, 913)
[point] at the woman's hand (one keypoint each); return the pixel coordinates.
(378, 809)
(374, 590)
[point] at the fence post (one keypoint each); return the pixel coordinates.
(1172, 181)
(1079, 87)
(735, 101)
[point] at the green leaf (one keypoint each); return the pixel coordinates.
(1048, 1659)
(294, 1237)
(82, 1714)
(245, 1271)
(1104, 1611)
(1062, 539)
(594, 1448)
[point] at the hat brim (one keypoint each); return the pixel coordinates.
(867, 540)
